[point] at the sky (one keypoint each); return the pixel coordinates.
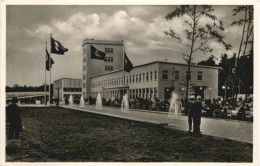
(140, 27)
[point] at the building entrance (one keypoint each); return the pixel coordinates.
(199, 91)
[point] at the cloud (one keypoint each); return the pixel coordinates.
(141, 27)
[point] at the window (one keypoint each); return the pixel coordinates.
(66, 89)
(143, 77)
(199, 75)
(165, 75)
(84, 85)
(147, 93)
(108, 59)
(84, 68)
(140, 77)
(127, 79)
(84, 59)
(133, 78)
(151, 93)
(155, 75)
(155, 92)
(136, 78)
(109, 50)
(83, 76)
(147, 76)
(108, 68)
(130, 79)
(151, 76)
(176, 75)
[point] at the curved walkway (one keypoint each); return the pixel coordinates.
(223, 128)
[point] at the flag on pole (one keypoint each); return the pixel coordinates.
(48, 66)
(128, 66)
(96, 54)
(57, 47)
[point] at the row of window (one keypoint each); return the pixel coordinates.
(177, 75)
(108, 50)
(135, 78)
(145, 93)
(108, 68)
(72, 89)
(108, 59)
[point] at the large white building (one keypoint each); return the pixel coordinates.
(149, 81)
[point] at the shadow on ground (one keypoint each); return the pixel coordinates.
(58, 134)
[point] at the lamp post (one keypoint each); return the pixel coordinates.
(209, 92)
(228, 88)
(201, 91)
(182, 89)
(224, 95)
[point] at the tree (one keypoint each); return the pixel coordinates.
(225, 75)
(247, 33)
(209, 62)
(197, 33)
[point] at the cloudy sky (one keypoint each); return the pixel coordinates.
(141, 28)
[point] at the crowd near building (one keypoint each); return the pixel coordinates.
(148, 81)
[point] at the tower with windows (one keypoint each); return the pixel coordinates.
(94, 67)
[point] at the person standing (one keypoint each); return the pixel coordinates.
(197, 108)
(14, 118)
(190, 113)
(57, 102)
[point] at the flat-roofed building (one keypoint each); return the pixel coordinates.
(155, 80)
(151, 80)
(65, 87)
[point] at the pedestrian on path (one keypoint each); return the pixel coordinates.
(57, 100)
(14, 118)
(190, 112)
(197, 108)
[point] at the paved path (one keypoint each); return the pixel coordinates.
(223, 128)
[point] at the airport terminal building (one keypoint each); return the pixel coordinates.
(149, 81)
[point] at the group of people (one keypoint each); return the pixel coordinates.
(194, 114)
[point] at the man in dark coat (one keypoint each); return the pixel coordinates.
(197, 108)
(13, 116)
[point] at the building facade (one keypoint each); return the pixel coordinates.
(92, 67)
(148, 81)
(65, 87)
(155, 80)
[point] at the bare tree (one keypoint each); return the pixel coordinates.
(197, 33)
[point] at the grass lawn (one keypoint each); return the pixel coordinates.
(58, 134)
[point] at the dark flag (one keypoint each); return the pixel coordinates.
(47, 61)
(128, 66)
(57, 47)
(96, 54)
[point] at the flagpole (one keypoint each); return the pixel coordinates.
(124, 73)
(50, 73)
(45, 102)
